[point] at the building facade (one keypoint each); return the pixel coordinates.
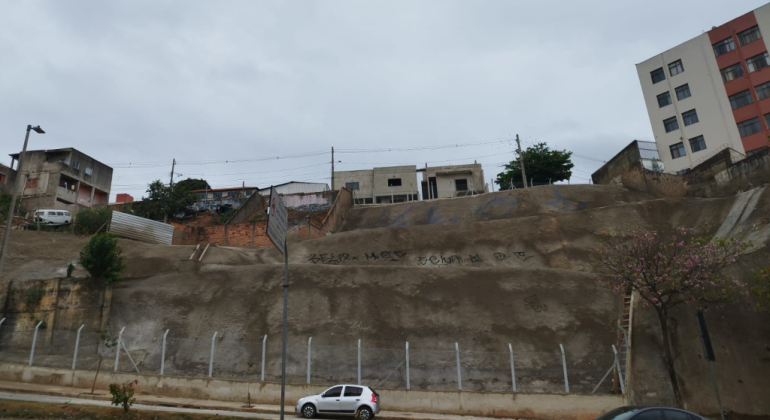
(392, 184)
(7, 178)
(711, 92)
(62, 179)
(452, 181)
(295, 187)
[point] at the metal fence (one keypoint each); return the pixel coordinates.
(453, 367)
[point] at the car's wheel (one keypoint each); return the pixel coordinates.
(365, 413)
(308, 411)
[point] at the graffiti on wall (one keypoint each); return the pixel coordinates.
(401, 256)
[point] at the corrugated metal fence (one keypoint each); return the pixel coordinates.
(141, 229)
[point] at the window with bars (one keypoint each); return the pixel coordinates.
(763, 91)
(758, 62)
(664, 99)
(749, 127)
(675, 67)
(671, 124)
(677, 150)
(683, 92)
(690, 117)
(741, 99)
(733, 72)
(724, 46)
(697, 144)
(749, 35)
(658, 75)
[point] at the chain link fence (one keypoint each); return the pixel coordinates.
(440, 369)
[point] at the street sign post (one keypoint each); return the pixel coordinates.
(277, 220)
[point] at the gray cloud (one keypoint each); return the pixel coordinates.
(148, 81)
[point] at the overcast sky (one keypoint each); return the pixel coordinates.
(144, 82)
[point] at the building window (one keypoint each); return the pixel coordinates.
(658, 75)
(671, 124)
(690, 117)
(749, 35)
(675, 68)
(394, 182)
(75, 164)
(741, 99)
(677, 150)
(664, 99)
(767, 119)
(683, 92)
(352, 185)
(763, 91)
(749, 127)
(758, 62)
(733, 72)
(89, 171)
(249, 193)
(461, 184)
(697, 144)
(724, 46)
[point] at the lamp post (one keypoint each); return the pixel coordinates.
(9, 222)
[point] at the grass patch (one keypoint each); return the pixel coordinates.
(35, 410)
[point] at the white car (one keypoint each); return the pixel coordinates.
(346, 400)
(53, 217)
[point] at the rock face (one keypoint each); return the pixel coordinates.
(474, 274)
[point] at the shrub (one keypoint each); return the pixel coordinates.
(123, 395)
(101, 258)
(88, 221)
(70, 269)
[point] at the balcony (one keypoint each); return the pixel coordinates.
(66, 195)
(66, 169)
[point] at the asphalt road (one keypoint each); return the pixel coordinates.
(98, 403)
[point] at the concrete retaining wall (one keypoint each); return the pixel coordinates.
(532, 406)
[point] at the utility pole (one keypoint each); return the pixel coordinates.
(332, 169)
(171, 187)
(521, 162)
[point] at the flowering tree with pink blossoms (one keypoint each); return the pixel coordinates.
(668, 269)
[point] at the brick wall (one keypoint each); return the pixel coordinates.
(238, 234)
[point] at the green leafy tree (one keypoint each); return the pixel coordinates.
(191, 184)
(89, 221)
(540, 163)
(101, 257)
(667, 270)
(5, 205)
(163, 201)
(123, 394)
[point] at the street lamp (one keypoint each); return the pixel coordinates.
(11, 208)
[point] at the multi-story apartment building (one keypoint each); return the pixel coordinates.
(711, 92)
(452, 181)
(62, 179)
(392, 184)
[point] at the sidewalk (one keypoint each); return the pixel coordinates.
(262, 411)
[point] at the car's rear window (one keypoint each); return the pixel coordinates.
(619, 413)
(353, 391)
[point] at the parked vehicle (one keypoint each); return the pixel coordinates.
(52, 217)
(649, 413)
(346, 400)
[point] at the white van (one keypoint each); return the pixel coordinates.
(53, 217)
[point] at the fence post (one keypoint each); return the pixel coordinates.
(359, 361)
(513, 370)
(117, 349)
(309, 343)
(620, 372)
(77, 344)
(264, 345)
(34, 342)
(211, 359)
(459, 376)
(407, 367)
(564, 364)
(163, 354)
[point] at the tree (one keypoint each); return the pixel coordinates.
(667, 270)
(123, 394)
(101, 258)
(191, 184)
(163, 201)
(540, 163)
